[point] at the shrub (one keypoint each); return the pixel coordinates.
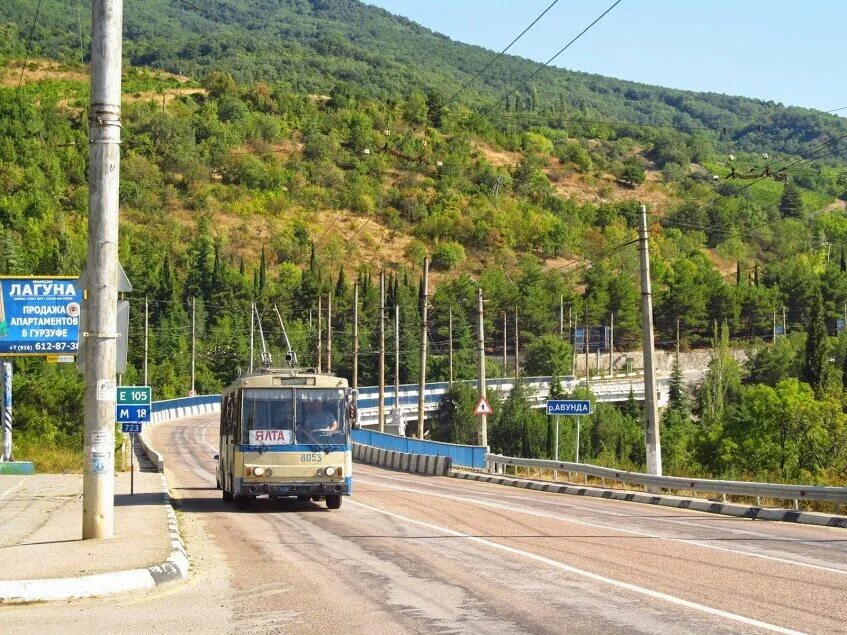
(447, 255)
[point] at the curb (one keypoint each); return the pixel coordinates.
(696, 504)
(425, 464)
(174, 568)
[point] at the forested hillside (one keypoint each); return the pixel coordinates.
(279, 174)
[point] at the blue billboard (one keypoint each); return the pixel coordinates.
(39, 316)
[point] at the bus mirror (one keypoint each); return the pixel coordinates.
(352, 413)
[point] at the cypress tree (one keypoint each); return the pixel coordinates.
(817, 346)
(843, 261)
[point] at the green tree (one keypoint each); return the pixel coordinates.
(791, 203)
(816, 365)
(454, 421)
(548, 355)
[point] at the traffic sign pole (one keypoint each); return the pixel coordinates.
(556, 448)
(578, 422)
(132, 464)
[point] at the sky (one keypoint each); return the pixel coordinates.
(788, 51)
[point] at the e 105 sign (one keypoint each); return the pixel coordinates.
(39, 316)
(568, 407)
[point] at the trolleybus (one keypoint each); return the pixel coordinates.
(286, 433)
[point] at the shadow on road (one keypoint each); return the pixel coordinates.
(200, 505)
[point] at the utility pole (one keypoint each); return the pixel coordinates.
(571, 338)
(104, 134)
(785, 328)
(396, 361)
(193, 341)
(450, 337)
(146, 336)
(329, 332)
(562, 316)
(356, 335)
(252, 311)
(422, 384)
(677, 339)
(320, 332)
(612, 344)
(517, 349)
(505, 341)
(585, 347)
(480, 339)
(381, 407)
(773, 332)
(653, 441)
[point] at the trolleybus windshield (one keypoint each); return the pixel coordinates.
(274, 416)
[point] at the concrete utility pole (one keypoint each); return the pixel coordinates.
(396, 361)
(562, 316)
(422, 382)
(612, 345)
(381, 408)
(329, 332)
(104, 134)
(450, 337)
(773, 331)
(505, 341)
(146, 336)
(320, 333)
(585, 347)
(193, 341)
(517, 347)
(654, 445)
(252, 320)
(480, 339)
(356, 335)
(571, 339)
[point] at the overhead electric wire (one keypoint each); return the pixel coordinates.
(29, 45)
(499, 55)
(549, 61)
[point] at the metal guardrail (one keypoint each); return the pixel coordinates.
(836, 495)
(472, 456)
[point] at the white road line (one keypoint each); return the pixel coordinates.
(690, 519)
(587, 574)
(203, 435)
(12, 489)
(634, 532)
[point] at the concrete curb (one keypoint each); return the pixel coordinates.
(425, 464)
(697, 504)
(174, 568)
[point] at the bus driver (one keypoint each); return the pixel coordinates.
(316, 419)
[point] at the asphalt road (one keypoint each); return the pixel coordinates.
(427, 554)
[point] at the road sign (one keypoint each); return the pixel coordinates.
(568, 407)
(134, 395)
(598, 339)
(133, 414)
(483, 407)
(131, 428)
(39, 316)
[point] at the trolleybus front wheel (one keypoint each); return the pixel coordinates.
(227, 496)
(333, 501)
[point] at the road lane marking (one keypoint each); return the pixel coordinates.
(634, 532)
(587, 574)
(12, 489)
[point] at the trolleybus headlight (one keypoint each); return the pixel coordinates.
(269, 471)
(330, 471)
(248, 471)
(320, 471)
(258, 471)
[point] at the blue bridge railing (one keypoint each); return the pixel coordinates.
(463, 455)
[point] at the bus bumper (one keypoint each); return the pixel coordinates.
(291, 489)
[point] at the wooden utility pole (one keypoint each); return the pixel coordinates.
(329, 332)
(450, 337)
(653, 441)
(422, 381)
(356, 335)
(104, 134)
(381, 406)
(193, 342)
(480, 339)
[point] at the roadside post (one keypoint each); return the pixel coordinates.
(568, 407)
(133, 410)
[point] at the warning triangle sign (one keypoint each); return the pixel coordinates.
(483, 407)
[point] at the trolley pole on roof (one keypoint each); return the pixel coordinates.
(104, 130)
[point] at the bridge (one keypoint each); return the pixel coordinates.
(612, 389)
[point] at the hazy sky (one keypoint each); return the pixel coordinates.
(790, 51)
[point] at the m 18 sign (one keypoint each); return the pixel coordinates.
(39, 316)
